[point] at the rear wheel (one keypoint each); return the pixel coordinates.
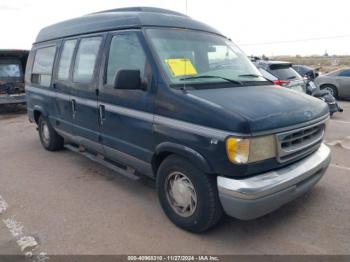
(49, 138)
(188, 196)
(332, 90)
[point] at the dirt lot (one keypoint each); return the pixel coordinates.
(71, 205)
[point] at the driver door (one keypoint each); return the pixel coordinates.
(126, 116)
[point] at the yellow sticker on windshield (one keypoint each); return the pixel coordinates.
(181, 66)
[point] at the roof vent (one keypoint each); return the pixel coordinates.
(141, 9)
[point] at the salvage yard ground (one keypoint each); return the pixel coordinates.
(70, 205)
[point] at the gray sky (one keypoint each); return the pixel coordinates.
(271, 27)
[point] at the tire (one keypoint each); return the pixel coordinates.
(207, 211)
(331, 89)
(49, 138)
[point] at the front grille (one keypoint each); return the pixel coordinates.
(299, 142)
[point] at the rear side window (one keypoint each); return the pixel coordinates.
(267, 75)
(86, 59)
(43, 63)
(126, 52)
(66, 59)
(345, 73)
(285, 73)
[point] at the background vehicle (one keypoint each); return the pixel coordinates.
(12, 68)
(313, 90)
(151, 91)
(336, 82)
(306, 71)
(281, 73)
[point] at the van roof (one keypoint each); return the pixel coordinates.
(122, 18)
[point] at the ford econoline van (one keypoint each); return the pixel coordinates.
(153, 92)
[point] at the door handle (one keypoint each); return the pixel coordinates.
(74, 107)
(102, 113)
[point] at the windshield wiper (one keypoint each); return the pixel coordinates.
(292, 77)
(255, 76)
(250, 75)
(209, 76)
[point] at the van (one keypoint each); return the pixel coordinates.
(12, 68)
(153, 92)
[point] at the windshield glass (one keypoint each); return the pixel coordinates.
(9, 69)
(187, 56)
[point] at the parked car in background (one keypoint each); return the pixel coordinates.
(281, 73)
(336, 82)
(314, 90)
(12, 68)
(306, 71)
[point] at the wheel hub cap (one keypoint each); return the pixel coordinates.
(45, 132)
(181, 194)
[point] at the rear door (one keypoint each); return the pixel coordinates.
(83, 96)
(126, 121)
(62, 85)
(343, 80)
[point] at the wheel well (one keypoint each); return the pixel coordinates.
(161, 156)
(158, 159)
(324, 85)
(37, 115)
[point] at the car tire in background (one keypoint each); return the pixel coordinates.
(188, 196)
(49, 138)
(331, 89)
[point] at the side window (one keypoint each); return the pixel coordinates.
(86, 59)
(126, 52)
(345, 73)
(66, 59)
(42, 68)
(267, 75)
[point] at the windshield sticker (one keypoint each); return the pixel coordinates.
(181, 67)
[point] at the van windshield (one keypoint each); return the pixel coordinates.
(189, 56)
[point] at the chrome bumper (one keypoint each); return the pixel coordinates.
(255, 196)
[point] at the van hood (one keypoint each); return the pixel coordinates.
(264, 107)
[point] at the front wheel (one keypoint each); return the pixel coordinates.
(49, 138)
(188, 196)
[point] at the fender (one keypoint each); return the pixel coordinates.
(39, 109)
(196, 158)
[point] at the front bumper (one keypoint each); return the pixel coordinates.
(12, 99)
(256, 196)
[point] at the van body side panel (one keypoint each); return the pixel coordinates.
(41, 99)
(27, 77)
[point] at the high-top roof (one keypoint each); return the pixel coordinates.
(122, 18)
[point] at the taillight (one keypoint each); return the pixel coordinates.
(281, 82)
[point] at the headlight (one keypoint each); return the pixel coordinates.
(244, 150)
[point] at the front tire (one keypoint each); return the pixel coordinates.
(188, 196)
(49, 138)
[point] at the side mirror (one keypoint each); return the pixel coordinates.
(128, 79)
